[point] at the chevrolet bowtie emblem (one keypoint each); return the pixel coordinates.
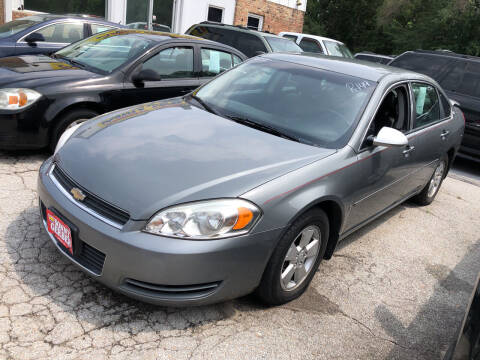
(78, 194)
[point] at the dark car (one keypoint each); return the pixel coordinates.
(376, 58)
(459, 76)
(250, 42)
(40, 96)
(144, 26)
(46, 33)
(249, 181)
(467, 344)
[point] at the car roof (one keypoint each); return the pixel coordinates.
(311, 36)
(444, 53)
(54, 17)
(368, 53)
(160, 37)
(357, 68)
(236, 28)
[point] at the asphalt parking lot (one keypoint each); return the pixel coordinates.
(395, 290)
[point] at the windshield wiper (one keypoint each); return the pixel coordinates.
(265, 128)
(204, 105)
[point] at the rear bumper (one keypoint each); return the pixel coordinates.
(159, 270)
(25, 129)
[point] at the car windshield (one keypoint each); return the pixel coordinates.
(313, 106)
(13, 27)
(106, 51)
(282, 45)
(337, 49)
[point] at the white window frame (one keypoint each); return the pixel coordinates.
(260, 20)
(216, 7)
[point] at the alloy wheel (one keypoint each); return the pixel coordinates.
(300, 258)
(436, 179)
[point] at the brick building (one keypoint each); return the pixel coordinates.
(270, 15)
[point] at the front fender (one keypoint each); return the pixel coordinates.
(61, 104)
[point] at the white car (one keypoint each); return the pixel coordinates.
(318, 44)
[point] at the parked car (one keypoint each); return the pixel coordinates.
(144, 26)
(376, 58)
(41, 96)
(459, 76)
(318, 44)
(46, 33)
(466, 345)
(250, 42)
(248, 182)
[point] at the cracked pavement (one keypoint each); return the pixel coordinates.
(396, 289)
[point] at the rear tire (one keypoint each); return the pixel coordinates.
(295, 259)
(68, 119)
(427, 195)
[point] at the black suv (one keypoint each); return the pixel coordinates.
(459, 75)
(250, 42)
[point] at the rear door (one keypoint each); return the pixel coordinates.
(429, 133)
(177, 67)
(56, 36)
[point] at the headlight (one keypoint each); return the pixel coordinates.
(210, 219)
(14, 99)
(67, 134)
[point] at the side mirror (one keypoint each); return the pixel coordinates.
(34, 37)
(145, 75)
(388, 136)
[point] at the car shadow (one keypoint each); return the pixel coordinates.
(440, 317)
(45, 273)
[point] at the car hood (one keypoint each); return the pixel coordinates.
(150, 156)
(37, 70)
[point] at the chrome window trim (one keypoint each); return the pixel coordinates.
(79, 204)
(20, 41)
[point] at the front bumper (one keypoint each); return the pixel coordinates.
(470, 147)
(24, 129)
(160, 270)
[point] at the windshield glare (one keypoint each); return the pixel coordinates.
(337, 49)
(283, 45)
(14, 27)
(105, 52)
(317, 107)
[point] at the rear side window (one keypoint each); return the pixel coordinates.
(427, 107)
(430, 65)
(310, 45)
(249, 44)
(471, 81)
(214, 62)
(97, 28)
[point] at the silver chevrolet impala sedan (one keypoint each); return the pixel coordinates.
(248, 183)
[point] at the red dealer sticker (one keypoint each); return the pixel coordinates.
(60, 230)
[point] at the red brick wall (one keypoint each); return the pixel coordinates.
(2, 11)
(17, 14)
(276, 18)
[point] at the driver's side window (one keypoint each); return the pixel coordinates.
(393, 112)
(175, 62)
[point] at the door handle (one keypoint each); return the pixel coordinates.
(444, 134)
(408, 150)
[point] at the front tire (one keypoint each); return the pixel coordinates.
(68, 119)
(427, 195)
(295, 260)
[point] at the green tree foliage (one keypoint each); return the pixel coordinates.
(395, 26)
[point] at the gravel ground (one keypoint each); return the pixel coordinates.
(397, 289)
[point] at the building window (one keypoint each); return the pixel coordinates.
(255, 22)
(215, 14)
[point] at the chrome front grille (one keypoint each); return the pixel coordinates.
(97, 207)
